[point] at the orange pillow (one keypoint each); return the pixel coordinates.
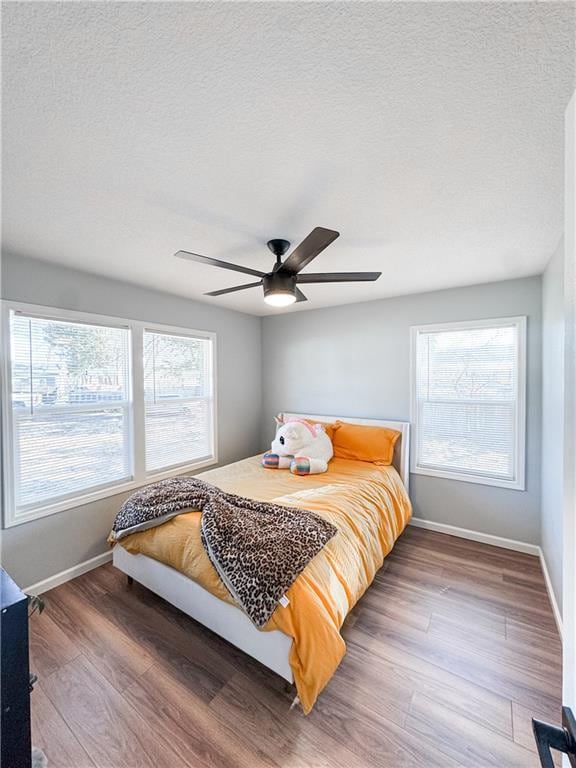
(329, 426)
(364, 443)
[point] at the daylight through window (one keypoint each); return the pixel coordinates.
(468, 401)
(92, 408)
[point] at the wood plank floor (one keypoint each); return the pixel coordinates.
(450, 653)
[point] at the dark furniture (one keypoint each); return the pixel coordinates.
(561, 738)
(15, 744)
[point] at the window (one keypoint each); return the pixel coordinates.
(468, 401)
(70, 408)
(178, 399)
(94, 406)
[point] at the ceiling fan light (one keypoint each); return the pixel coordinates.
(280, 299)
(279, 289)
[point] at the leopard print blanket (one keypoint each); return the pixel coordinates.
(258, 549)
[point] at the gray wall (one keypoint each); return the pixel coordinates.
(354, 360)
(39, 549)
(552, 510)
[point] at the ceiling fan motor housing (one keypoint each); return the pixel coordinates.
(279, 282)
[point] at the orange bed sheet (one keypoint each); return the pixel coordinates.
(369, 506)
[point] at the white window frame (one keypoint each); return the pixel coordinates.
(519, 481)
(134, 408)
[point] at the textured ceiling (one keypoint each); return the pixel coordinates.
(428, 134)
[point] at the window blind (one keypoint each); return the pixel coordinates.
(178, 397)
(70, 408)
(467, 397)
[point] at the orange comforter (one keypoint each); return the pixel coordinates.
(369, 506)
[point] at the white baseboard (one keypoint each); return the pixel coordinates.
(68, 574)
(551, 594)
(499, 541)
(483, 538)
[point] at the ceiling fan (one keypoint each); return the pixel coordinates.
(281, 284)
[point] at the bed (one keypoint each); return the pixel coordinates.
(301, 642)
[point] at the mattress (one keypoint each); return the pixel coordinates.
(369, 506)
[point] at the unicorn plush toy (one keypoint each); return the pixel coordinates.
(301, 447)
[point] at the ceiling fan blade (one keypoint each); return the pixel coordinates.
(222, 291)
(300, 296)
(338, 277)
(216, 263)
(309, 248)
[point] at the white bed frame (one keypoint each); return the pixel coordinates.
(269, 648)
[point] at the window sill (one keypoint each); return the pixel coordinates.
(512, 485)
(11, 519)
